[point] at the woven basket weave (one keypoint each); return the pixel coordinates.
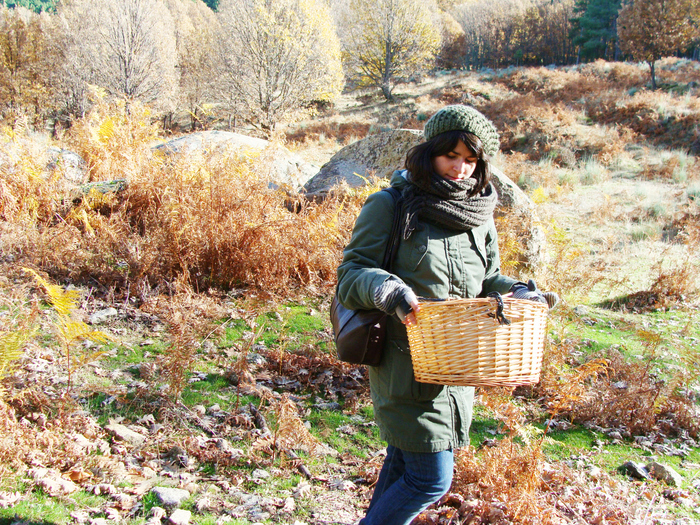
(460, 342)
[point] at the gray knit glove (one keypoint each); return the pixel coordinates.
(530, 292)
(394, 297)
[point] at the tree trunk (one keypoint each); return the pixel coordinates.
(652, 70)
(193, 119)
(386, 91)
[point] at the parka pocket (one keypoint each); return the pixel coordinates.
(403, 383)
(416, 249)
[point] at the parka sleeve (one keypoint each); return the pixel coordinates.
(360, 274)
(494, 281)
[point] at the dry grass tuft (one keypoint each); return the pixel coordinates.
(29, 438)
(673, 283)
(343, 133)
(19, 323)
(663, 119)
(628, 394)
(190, 320)
(510, 481)
(503, 479)
(114, 138)
(29, 195)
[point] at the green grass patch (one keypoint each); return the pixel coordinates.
(292, 326)
(39, 509)
(355, 435)
(215, 388)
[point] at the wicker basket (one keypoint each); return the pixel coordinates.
(461, 342)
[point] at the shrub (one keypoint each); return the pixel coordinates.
(204, 220)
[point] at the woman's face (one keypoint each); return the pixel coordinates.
(458, 164)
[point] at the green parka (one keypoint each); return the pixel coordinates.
(437, 263)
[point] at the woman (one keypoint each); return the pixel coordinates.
(448, 249)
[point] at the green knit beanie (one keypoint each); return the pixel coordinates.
(464, 118)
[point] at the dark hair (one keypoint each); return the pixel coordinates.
(419, 159)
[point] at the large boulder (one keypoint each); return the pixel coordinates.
(381, 154)
(71, 165)
(376, 155)
(286, 168)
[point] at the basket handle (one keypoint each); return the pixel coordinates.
(502, 319)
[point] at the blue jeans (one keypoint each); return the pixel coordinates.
(408, 483)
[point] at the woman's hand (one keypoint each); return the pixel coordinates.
(410, 318)
(395, 297)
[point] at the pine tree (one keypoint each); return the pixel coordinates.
(35, 5)
(595, 28)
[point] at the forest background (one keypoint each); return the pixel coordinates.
(258, 63)
(190, 305)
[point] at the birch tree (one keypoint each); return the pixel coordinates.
(277, 57)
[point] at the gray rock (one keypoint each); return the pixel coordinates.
(255, 359)
(260, 474)
(102, 186)
(615, 435)
(102, 316)
(125, 434)
(180, 517)
(286, 168)
(169, 496)
(80, 516)
(634, 470)
(382, 153)
(379, 155)
(257, 517)
(226, 448)
(580, 310)
(664, 473)
(71, 165)
(156, 517)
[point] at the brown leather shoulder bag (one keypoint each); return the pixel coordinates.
(359, 334)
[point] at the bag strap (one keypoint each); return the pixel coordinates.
(393, 245)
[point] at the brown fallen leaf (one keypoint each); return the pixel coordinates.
(79, 475)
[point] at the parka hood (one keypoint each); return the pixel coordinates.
(399, 180)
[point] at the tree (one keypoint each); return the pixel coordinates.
(543, 33)
(507, 32)
(452, 49)
(594, 30)
(277, 57)
(195, 32)
(491, 30)
(35, 5)
(388, 41)
(26, 58)
(212, 4)
(126, 47)
(652, 29)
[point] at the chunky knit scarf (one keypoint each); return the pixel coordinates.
(446, 203)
